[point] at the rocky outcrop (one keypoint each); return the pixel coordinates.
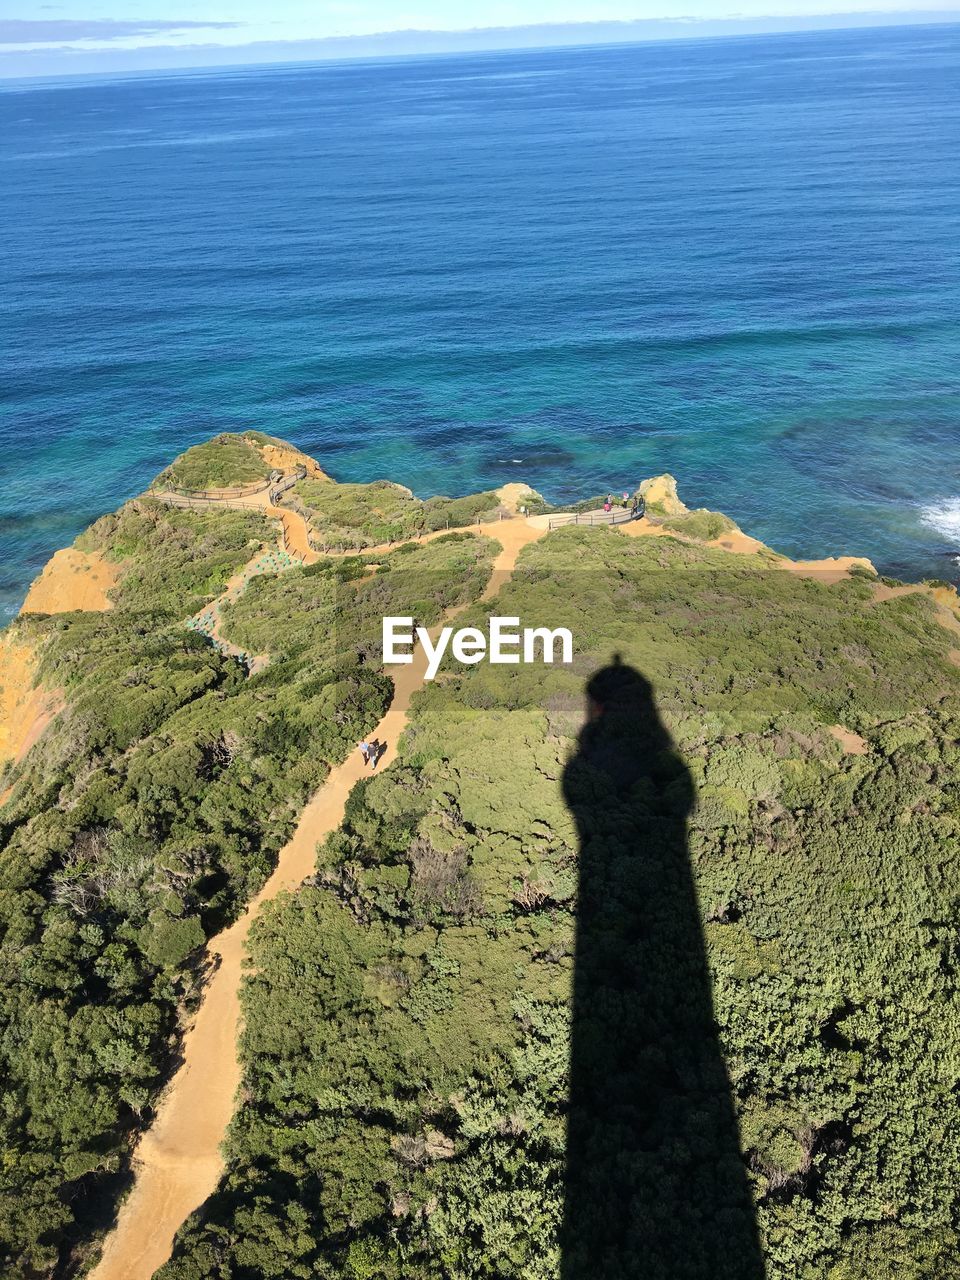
(284, 457)
(660, 495)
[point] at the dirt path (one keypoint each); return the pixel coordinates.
(832, 569)
(178, 1161)
(295, 539)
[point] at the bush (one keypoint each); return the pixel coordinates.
(222, 462)
(704, 525)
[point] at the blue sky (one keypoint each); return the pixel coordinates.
(49, 37)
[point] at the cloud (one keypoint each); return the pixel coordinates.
(118, 57)
(14, 31)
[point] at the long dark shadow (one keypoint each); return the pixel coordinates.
(656, 1188)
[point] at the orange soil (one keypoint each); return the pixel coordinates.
(286, 459)
(25, 709)
(512, 495)
(178, 1161)
(295, 538)
(851, 742)
(72, 579)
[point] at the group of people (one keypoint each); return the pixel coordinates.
(372, 751)
(635, 504)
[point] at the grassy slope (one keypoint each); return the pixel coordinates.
(222, 462)
(354, 516)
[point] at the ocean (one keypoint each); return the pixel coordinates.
(737, 260)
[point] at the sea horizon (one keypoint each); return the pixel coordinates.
(733, 259)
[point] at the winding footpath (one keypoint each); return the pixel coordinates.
(178, 1161)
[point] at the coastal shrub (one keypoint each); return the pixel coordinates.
(702, 524)
(222, 462)
(355, 516)
(173, 559)
(408, 1019)
(149, 812)
(440, 513)
(409, 1013)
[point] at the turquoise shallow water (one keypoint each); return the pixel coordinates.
(735, 260)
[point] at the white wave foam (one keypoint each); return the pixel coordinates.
(944, 516)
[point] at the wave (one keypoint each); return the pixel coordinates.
(944, 516)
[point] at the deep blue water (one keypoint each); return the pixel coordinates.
(737, 260)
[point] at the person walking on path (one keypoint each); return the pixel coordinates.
(365, 748)
(377, 749)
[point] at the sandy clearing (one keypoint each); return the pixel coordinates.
(178, 1161)
(662, 491)
(72, 579)
(832, 569)
(852, 743)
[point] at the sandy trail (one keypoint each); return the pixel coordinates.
(295, 531)
(295, 538)
(178, 1161)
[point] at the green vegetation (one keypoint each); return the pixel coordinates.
(408, 1020)
(174, 560)
(336, 606)
(771, 922)
(701, 524)
(222, 462)
(453, 513)
(354, 516)
(149, 812)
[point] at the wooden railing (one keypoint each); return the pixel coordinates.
(277, 483)
(285, 482)
(223, 495)
(619, 515)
